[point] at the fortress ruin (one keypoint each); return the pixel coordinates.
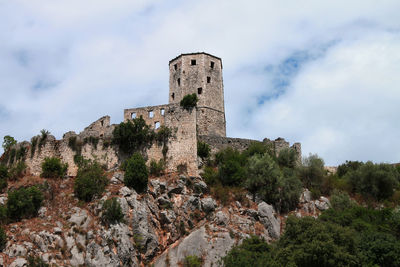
(194, 73)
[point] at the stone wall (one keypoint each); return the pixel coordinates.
(153, 115)
(218, 142)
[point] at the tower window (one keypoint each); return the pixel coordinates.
(151, 114)
(208, 79)
(156, 125)
(133, 115)
(212, 64)
(173, 96)
(102, 123)
(179, 81)
(199, 90)
(176, 66)
(193, 62)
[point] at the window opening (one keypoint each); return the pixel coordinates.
(151, 114)
(176, 66)
(133, 115)
(102, 123)
(212, 64)
(156, 125)
(162, 112)
(173, 96)
(199, 90)
(193, 62)
(208, 79)
(179, 81)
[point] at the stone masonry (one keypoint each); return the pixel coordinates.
(198, 73)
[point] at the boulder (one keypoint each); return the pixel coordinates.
(16, 250)
(79, 217)
(266, 214)
(19, 262)
(208, 204)
(221, 218)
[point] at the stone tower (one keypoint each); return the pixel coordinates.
(200, 73)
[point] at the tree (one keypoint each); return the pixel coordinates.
(231, 167)
(263, 178)
(136, 173)
(8, 142)
(312, 172)
(287, 158)
(203, 150)
(132, 135)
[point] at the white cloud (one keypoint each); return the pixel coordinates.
(63, 64)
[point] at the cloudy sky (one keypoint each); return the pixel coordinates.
(323, 73)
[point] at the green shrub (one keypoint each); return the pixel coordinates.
(8, 141)
(112, 212)
(210, 175)
(312, 172)
(136, 173)
(17, 171)
(90, 181)
(340, 200)
(53, 168)
(20, 154)
(253, 251)
(231, 167)
(287, 158)
(344, 168)
(162, 134)
(3, 177)
(203, 150)
(188, 102)
(263, 178)
(132, 136)
(3, 214)
(157, 168)
(36, 262)
(44, 133)
(24, 203)
(259, 148)
(289, 194)
(93, 140)
(34, 142)
(192, 261)
(374, 180)
(3, 239)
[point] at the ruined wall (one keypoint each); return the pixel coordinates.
(217, 143)
(153, 115)
(210, 122)
(104, 154)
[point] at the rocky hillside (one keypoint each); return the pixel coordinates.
(175, 218)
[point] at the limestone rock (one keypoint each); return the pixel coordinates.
(125, 191)
(19, 262)
(208, 204)
(42, 212)
(77, 258)
(267, 217)
(221, 218)
(322, 204)
(16, 250)
(79, 217)
(305, 197)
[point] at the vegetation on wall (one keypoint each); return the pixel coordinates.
(203, 150)
(157, 168)
(189, 101)
(53, 168)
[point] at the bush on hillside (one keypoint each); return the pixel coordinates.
(287, 158)
(136, 173)
(192, 261)
(157, 168)
(374, 180)
(312, 172)
(263, 178)
(231, 167)
(210, 175)
(53, 168)
(3, 239)
(90, 181)
(3, 177)
(112, 211)
(188, 102)
(132, 135)
(289, 194)
(203, 150)
(17, 171)
(348, 166)
(258, 148)
(24, 203)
